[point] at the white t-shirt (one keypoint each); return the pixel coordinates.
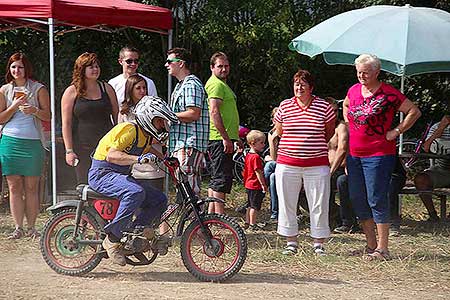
(118, 84)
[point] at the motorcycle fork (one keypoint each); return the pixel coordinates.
(189, 197)
(78, 215)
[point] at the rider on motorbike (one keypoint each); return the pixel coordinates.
(125, 145)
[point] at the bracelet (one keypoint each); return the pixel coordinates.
(68, 151)
(398, 130)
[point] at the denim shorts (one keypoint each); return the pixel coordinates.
(368, 183)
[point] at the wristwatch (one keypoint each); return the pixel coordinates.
(398, 130)
(68, 151)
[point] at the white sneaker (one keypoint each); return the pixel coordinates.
(319, 250)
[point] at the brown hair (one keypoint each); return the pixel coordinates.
(129, 85)
(217, 55)
(303, 75)
(26, 63)
(129, 49)
(78, 75)
(182, 54)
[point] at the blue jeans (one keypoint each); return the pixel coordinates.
(269, 175)
(132, 193)
(369, 180)
(397, 183)
(346, 211)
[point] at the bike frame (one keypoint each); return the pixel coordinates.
(419, 144)
(193, 203)
(190, 206)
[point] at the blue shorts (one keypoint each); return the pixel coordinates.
(368, 183)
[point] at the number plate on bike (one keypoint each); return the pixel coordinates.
(107, 209)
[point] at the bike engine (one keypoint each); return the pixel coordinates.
(139, 240)
(137, 244)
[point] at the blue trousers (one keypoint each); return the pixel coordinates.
(132, 193)
(269, 175)
(368, 181)
(347, 216)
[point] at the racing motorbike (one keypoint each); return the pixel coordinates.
(213, 247)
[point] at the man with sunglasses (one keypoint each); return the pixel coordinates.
(129, 60)
(188, 140)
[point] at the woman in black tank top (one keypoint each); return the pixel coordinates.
(89, 110)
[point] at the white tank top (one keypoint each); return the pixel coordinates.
(21, 125)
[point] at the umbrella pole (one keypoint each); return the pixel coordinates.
(402, 87)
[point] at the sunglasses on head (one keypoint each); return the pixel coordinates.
(171, 60)
(130, 61)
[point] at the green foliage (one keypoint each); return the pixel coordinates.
(253, 33)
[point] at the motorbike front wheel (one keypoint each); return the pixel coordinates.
(221, 259)
(62, 251)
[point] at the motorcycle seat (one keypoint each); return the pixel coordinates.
(91, 193)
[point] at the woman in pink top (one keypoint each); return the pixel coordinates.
(305, 123)
(369, 109)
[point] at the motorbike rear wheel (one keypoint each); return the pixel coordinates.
(62, 252)
(227, 254)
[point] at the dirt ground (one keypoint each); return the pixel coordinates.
(24, 275)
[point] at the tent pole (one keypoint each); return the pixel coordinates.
(52, 106)
(169, 93)
(400, 140)
(169, 77)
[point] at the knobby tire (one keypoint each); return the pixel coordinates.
(228, 256)
(62, 255)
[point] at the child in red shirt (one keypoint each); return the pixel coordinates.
(254, 181)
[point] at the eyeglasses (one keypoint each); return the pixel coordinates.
(171, 60)
(130, 61)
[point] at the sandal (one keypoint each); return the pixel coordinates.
(378, 254)
(33, 233)
(359, 252)
(16, 234)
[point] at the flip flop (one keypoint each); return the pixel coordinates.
(378, 254)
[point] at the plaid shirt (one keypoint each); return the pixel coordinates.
(188, 93)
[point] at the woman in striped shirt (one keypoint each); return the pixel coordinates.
(305, 123)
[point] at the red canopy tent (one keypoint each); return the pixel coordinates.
(80, 14)
(86, 13)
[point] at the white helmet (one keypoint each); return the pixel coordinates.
(150, 107)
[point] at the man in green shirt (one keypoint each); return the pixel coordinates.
(224, 130)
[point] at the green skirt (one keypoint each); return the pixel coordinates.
(21, 156)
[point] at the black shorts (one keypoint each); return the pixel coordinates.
(255, 198)
(221, 168)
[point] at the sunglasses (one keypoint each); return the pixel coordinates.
(130, 61)
(171, 60)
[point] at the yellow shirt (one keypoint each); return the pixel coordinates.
(121, 138)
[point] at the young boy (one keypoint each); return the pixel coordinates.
(254, 181)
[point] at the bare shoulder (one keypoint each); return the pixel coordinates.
(70, 93)
(109, 87)
(3, 88)
(341, 129)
